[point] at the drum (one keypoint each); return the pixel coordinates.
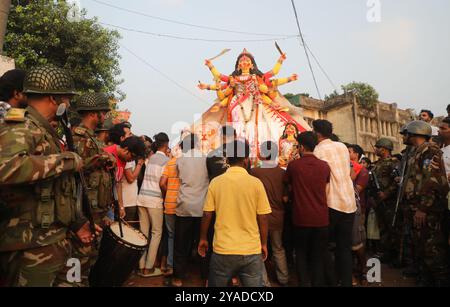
(118, 256)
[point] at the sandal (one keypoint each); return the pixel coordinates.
(176, 283)
(168, 272)
(155, 273)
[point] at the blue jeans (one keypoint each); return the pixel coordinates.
(249, 268)
(110, 214)
(170, 227)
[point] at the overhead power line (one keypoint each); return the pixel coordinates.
(162, 73)
(196, 38)
(303, 44)
(183, 23)
(321, 68)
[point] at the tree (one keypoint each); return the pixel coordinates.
(289, 96)
(366, 94)
(334, 94)
(39, 32)
(4, 12)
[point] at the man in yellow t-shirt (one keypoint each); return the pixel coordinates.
(240, 204)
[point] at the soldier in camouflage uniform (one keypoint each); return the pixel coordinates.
(102, 132)
(92, 109)
(383, 171)
(424, 204)
(37, 185)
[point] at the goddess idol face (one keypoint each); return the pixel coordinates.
(290, 130)
(245, 63)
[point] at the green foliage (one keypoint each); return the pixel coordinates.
(39, 32)
(334, 94)
(289, 95)
(366, 94)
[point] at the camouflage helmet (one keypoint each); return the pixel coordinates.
(93, 102)
(48, 79)
(385, 143)
(419, 127)
(108, 124)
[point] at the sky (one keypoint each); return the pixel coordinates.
(404, 55)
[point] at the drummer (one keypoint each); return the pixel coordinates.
(92, 109)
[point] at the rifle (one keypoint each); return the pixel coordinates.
(400, 191)
(375, 184)
(61, 114)
(374, 181)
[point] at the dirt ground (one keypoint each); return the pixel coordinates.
(390, 277)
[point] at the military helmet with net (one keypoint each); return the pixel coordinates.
(385, 143)
(419, 127)
(48, 79)
(93, 102)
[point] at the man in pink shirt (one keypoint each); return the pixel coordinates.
(129, 150)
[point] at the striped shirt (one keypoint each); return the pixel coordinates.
(173, 185)
(340, 192)
(150, 195)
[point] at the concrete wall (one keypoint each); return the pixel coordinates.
(343, 123)
(310, 114)
(6, 64)
(357, 125)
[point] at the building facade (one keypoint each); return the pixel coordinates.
(355, 124)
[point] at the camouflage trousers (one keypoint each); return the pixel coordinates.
(390, 236)
(431, 247)
(86, 254)
(37, 267)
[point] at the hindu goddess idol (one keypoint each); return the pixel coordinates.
(249, 100)
(288, 145)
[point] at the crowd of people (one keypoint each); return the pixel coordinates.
(314, 222)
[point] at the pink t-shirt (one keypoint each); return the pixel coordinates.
(120, 164)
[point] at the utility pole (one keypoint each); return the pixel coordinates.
(5, 6)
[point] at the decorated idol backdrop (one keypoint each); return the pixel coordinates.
(249, 101)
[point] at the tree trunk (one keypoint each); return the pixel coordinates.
(5, 6)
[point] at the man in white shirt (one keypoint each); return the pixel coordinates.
(427, 116)
(444, 133)
(130, 191)
(340, 197)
